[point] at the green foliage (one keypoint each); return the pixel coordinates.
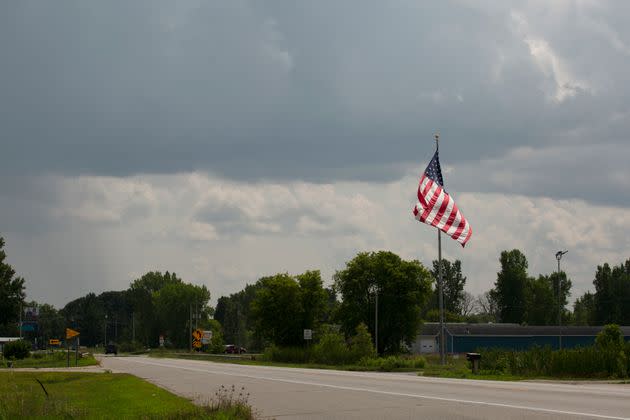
(361, 344)
(392, 363)
(11, 295)
(587, 362)
(584, 310)
(90, 395)
(453, 286)
(612, 294)
(434, 316)
(332, 350)
(18, 349)
(287, 354)
(403, 289)
(522, 299)
(284, 306)
(610, 338)
(510, 288)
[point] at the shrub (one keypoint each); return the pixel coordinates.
(19, 349)
(286, 354)
(610, 338)
(390, 363)
(332, 350)
(361, 345)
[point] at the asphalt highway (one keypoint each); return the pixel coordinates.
(290, 393)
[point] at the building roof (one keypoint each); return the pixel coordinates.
(490, 329)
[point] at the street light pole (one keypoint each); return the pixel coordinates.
(105, 344)
(559, 255)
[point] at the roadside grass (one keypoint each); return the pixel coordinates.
(107, 395)
(257, 361)
(459, 368)
(46, 360)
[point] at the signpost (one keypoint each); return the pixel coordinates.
(70, 333)
(161, 341)
(54, 342)
(308, 334)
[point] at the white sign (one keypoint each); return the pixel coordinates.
(161, 341)
(206, 337)
(308, 334)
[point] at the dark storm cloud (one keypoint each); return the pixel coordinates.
(310, 90)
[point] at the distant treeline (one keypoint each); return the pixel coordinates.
(276, 309)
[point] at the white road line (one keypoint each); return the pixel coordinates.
(401, 394)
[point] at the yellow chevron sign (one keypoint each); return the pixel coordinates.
(71, 333)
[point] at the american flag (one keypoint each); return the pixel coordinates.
(436, 208)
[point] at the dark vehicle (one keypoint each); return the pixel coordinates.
(232, 349)
(111, 349)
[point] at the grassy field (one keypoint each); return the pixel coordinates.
(105, 395)
(56, 359)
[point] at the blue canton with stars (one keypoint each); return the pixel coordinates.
(434, 171)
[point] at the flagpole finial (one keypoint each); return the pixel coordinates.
(437, 140)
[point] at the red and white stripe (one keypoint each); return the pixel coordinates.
(436, 208)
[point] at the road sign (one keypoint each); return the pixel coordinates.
(308, 334)
(161, 341)
(54, 342)
(206, 337)
(197, 334)
(71, 333)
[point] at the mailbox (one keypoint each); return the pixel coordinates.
(474, 358)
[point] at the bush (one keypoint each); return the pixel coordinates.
(361, 345)
(610, 338)
(286, 354)
(587, 362)
(332, 350)
(19, 349)
(390, 363)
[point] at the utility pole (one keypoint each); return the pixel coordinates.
(559, 255)
(105, 330)
(190, 332)
(133, 327)
(376, 322)
(20, 323)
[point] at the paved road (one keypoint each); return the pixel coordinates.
(312, 393)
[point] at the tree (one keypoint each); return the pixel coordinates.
(172, 308)
(277, 309)
(488, 307)
(468, 304)
(584, 309)
(11, 295)
(141, 294)
(540, 302)
(51, 323)
(403, 287)
(511, 286)
(612, 294)
(87, 315)
(453, 285)
(313, 298)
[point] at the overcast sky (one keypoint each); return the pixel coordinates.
(227, 140)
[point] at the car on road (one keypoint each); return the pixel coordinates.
(111, 349)
(233, 349)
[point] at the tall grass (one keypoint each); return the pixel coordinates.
(586, 362)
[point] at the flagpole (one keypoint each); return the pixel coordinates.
(440, 287)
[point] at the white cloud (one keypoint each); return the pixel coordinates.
(291, 227)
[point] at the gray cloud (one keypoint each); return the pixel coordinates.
(317, 91)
